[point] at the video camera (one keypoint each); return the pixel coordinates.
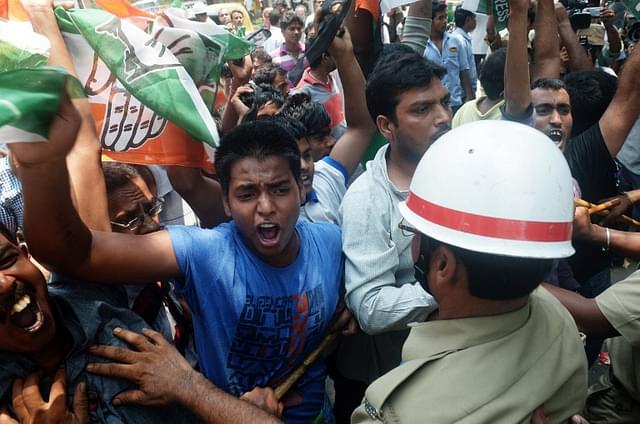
(580, 13)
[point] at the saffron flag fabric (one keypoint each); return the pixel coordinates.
(144, 87)
(145, 119)
(144, 68)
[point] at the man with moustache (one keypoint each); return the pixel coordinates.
(410, 106)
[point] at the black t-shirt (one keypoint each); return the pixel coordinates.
(595, 171)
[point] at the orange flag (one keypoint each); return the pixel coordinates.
(12, 9)
(122, 9)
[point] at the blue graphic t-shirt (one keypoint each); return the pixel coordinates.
(254, 323)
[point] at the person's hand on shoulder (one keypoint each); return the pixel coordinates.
(158, 369)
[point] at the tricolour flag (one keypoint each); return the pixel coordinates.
(144, 68)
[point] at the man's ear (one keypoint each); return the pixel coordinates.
(442, 267)
(303, 196)
(385, 125)
(225, 203)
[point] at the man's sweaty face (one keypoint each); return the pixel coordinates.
(423, 115)
(26, 321)
(264, 202)
(553, 114)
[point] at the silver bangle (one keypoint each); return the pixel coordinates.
(606, 249)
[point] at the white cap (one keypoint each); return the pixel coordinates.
(496, 187)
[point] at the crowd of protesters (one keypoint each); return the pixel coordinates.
(416, 224)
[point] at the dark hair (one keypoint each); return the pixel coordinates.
(492, 74)
(548, 84)
(397, 70)
(312, 115)
(496, 277)
(591, 93)
(437, 7)
(267, 74)
(290, 18)
(460, 16)
(261, 54)
(8, 234)
(118, 175)
(274, 17)
(295, 128)
(256, 139)
(262, 94)
(316, 61)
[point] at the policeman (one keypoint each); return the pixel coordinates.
(490, 205)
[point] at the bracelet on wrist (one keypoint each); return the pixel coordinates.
(608, 234)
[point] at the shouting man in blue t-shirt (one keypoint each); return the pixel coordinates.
(262, 288)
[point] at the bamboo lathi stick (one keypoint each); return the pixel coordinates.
(284, 387)
(597, 209)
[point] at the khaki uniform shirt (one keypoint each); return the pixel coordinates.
(492, 369)
(620, 304)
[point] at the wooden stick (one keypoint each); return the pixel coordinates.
(284, 387)
(604, 206)
(623, 218)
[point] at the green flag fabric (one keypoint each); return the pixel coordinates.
(20, 47)
(201, 47)
(144, 67)
(501, 14)
(29, 99)
(633, 6)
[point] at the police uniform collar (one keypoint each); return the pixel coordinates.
(445, 336)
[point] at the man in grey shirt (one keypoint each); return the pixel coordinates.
(410, 106)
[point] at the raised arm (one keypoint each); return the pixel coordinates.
(354, 142)
(417, 26)
(241, 76)
(613, 36)
(517, 92)
(547, 48)
(87, 182)
(578, 58)
(622, 113)
(202, 193)
(56, 235)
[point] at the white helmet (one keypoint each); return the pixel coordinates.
(196, 8)
(496, 187)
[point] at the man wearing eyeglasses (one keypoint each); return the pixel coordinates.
(134, 208)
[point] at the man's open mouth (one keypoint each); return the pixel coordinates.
(555, 136)
(306, 179)
(25, 311)
(269, 234)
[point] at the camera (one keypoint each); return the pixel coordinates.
(579, 13)
(633, 33)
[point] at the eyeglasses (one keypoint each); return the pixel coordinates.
(406, 230)
(150, 211)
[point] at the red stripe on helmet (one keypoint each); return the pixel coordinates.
(501, 228)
